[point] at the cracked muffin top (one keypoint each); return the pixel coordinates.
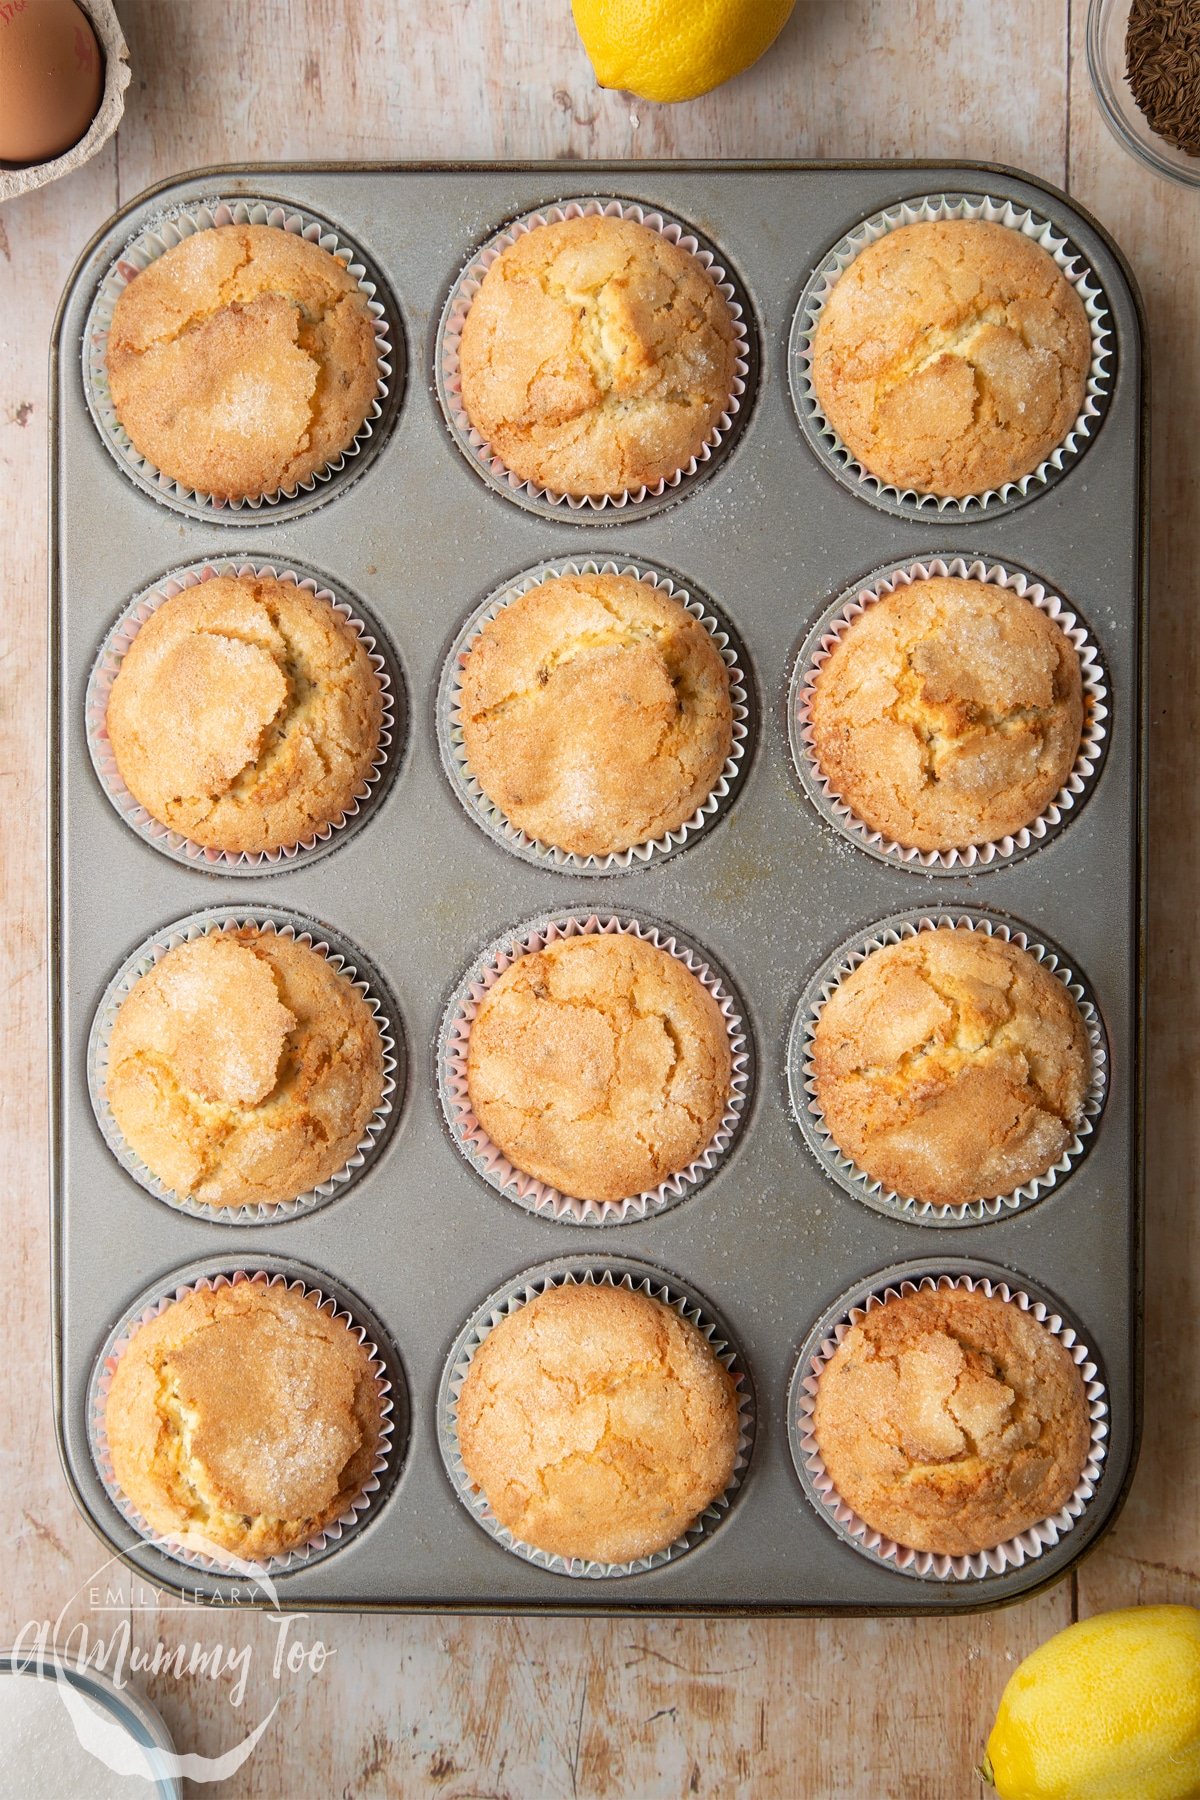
(245, 1418)
(597, 356)
(952, 356)
(600, 1065)
(951, 1422)
(951, 1066)
(597, 1423)
(243, 1068)
(596, 713)
(949, 713)
(242, 361)
(245, 714)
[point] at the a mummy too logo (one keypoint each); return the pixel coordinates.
(119, 1626)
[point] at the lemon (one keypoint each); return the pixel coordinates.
(676, 49)
(1109, 1709)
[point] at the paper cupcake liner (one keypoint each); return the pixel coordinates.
(151, 242)
(584, 1272)
(346, 959)
(486, 1157)
(998, 852)
(590, 508)
(162, 837)
(216, 1560)
(818, 1486)
(802, 1084)
(490, 816)
(837, 456)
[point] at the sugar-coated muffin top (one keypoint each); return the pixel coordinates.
(596, 712)
(245, 714)
(597, 356)
(949, 713)
(952, 1422)
(952, 356)
(243, 1068)
(598, 1423)
(600, 1065)
(242, 361)
(243, 1418)
(951, 1066)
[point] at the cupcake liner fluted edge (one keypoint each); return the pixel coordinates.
(213, 1560)
(491, 817)
(345, 958)
(996, 853)
(802, 1084)
(176, 844)
(154, 239)
(837, 456)
(818, 1485)
(486, 1157)
(590, 1271)
(586, 508)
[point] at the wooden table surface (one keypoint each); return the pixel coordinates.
(518, 1709)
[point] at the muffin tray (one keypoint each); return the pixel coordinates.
(415, 535)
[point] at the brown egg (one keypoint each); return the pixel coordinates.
(51, 78)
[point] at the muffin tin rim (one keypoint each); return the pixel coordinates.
(578, 1270)
(916, 1271)
(743, 700)
(394, 733)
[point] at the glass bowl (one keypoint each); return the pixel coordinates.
(1106, 26)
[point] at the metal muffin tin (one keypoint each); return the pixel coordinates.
(769, 888)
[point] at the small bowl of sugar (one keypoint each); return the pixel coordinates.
(68, 1731)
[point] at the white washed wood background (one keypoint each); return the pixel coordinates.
(521, 1710)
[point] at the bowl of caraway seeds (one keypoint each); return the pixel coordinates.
(1144, 60)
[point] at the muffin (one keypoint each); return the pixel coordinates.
(951, 1066)
(597, 1423)
(246, 714)
(597, 356)
(242, 361)
(243, 1068)
(948, 714)
(596, 713)
(243, 1418)
(952, 356)
(952, 1422)
(600, 1065)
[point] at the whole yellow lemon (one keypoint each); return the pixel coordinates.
(676, 49)
(1108, 1709)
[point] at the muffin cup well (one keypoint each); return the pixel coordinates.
(590, 508)
(598, 1272)
(999, 852)
(217, 1560)
(837, 456)
(489, 815)
(802, 1084)
(486, 1157)
(818, 1486)
(345, 958)
(173, 843)
(147, 246)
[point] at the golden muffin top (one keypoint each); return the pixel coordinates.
(600, 1065)
(242, 361)
(245, 1418)
(598, 1423)
(596, 712)
(597, 356)
(245, 714)
(952, 356)
(243, 1068)
(951, 1066)
(952, 1422)
(949, 713)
